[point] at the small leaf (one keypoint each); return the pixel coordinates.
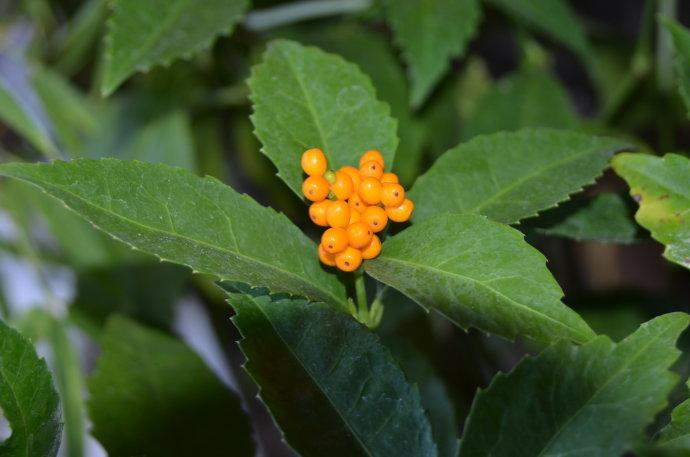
(181, 218)
(478, 273)
(511, 176)
(305, 98)
(28, 399)
(430, 33)
(605, 218)
(330, 384)
(141, 35)
(554, 18)
(674, 439)
(681, 41)
(564, 400)
(151, 395)
(661, 185)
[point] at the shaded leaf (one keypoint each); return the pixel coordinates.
(681, 42)
(162, 400)
(511, 176)
(661, 185)
(141, 35)
(430, 33)
(179, 217)
(28, 399)
(304, 98)
(330, 384)
(674, 439)
(478, 273)
(564, 400)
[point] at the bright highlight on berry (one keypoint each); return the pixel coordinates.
(355, 203)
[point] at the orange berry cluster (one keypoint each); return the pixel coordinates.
(355, 204)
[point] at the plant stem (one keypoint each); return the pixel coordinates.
(299, 11)
(361, 294)
(664, 46)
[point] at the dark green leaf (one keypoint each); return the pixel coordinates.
(478, 273)
(565, 400)
(511, 176)
(330, 384)
(681, 41)
(305, 98)
(151, 395)
(674, 439)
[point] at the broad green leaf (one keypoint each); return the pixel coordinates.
(554, 18)
(511, 176)
(528, 98)
(605, 218)
(304, 98)
(661, 186)
(141, 35)
(478, 273)
(152, 395)
(565, 400)
(330, 384)
(681, 41)
(28, 399)
(181, 218)
(430, 33)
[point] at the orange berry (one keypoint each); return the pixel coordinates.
(392, 194)
(315, 188)
(356, 203)
(326, 257)
(401, 213)
(334, 240)
(317, 212)
(370, 191)
(355, 216)
(375, 217)
(338, 214)
(371, 168)
(354, 175)
(342, 187)
(371, 155)
(359, 234)
(349, 260)
(389, 177)
(372, 249)
(314, 162)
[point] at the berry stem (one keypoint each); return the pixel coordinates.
(361, 293)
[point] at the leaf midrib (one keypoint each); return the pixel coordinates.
(177, 235)
(475, 281)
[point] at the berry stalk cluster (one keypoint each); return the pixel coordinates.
(355, 204)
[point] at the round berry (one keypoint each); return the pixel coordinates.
(349, 260)
(370, 191)
(317, 212)
(355, 216)
(392, 194)
(314, 162)
(338, 214)
(334, 240)
(359, 234)
(402, 212)
(342, 188)
(376, 218)
(354, 175)
(326, 257)
(374, 155)
(371, 169)
(315, 188)
(372, 249)
(389, 177)
(356, 203)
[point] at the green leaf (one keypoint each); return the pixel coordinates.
(478, 273)
(329, 383)
(681, 42)
(674, 439)
(162, 400)
(530, 97)
(554, 18)
(141, 35)
(430, 33)
(28, 399)
(304, 98)
(181, 218)
(605, 218)
(565, 400)
(661, 185)
(511, 176)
